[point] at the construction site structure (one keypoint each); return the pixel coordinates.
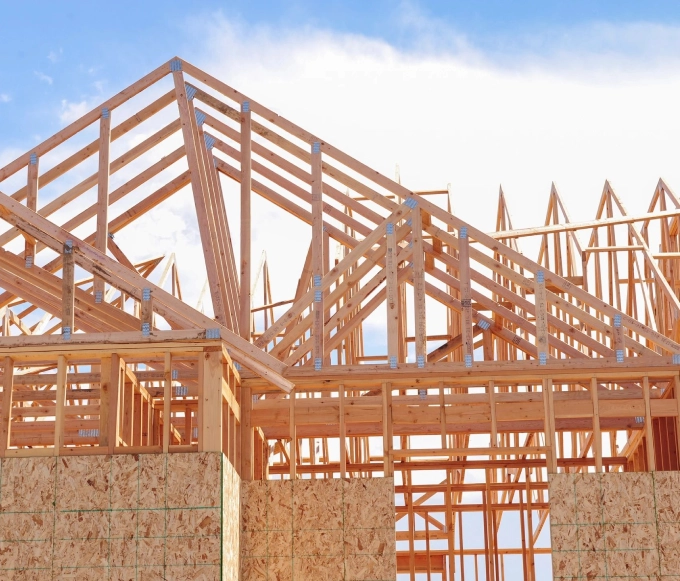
(429, 403)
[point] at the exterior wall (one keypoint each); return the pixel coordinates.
(187, 517)
(325, 530)
(126, 517)
(616, 525)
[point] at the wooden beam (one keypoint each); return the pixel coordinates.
(467, 333)
(676, 392)
(649, 429)
(573, 226)
(32, 203)
(597, 431)
(317, 258)
(246, 221)
(59, 435)
(343, 433)
(109, 402)
(102, 233)
(386, 420)
(419, 287)
(247, 436)
(210, 394)
(68, 291)
(293, 436)
(146, 311)
(542, 335)
(392, 303)
(199, 189)
(167, 400)
(7, 389)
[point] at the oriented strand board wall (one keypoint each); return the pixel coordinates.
(128, 517)
(325, 530)
(231, 521)
(616, 526)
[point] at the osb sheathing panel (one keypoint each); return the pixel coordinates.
(616, 525)
(231, 521)
(325, 530)
(121, 517)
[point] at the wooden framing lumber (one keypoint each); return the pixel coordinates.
(246, 227)
(102, 233)
(7, 389)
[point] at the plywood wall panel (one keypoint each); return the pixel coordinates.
(616, 526)
(22, 474)
(83, 482)
(328, 530)
(194, 480)
(188, 517)
(628, 497)
(231, 527)
(562, 499)
(279, 506)
(254, 505)
(124, 517)
(152, 478)
(125, 476)
(667, 496)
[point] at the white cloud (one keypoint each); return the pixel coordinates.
(576, 114)
(71, 111)
(5, 98)
(55, 55)
(43, 77)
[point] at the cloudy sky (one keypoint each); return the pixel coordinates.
(469, 94)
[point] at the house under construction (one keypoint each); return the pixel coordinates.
(515, 413)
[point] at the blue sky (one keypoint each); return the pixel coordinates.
(56, 51)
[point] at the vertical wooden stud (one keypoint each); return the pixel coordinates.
(31, 204)
(386, 421)
(494, 423)
(649, 431)
(167, 400)
(68, 291)
(244, 325)
(102, 233)
(466, 296)
(247, 435)
(61, 404)
(109, 402)
(210, 426)
(618, 339)
(541, 305)
(597, 432)
(676, 389)
(419, 285)
(343, 434)
(7, 386)
(392, 296)
(549, 425)
(317, 255)
(293, 436)
(146, 311)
